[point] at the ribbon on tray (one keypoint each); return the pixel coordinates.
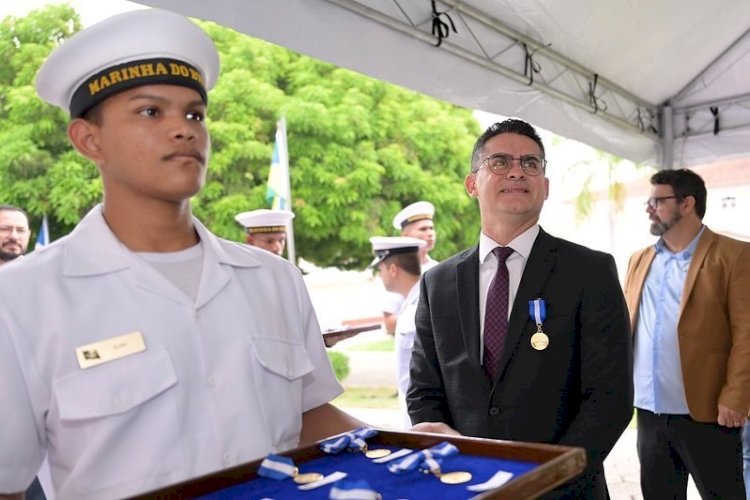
(277, 467)
(424, 458)
(353, 440)
(353, 490)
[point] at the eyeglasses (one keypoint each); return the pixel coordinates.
(653, 202)
(5, 230)
(501, 163)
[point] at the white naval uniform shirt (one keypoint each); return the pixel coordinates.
(405, 332)
(224, 379)
(429, 264)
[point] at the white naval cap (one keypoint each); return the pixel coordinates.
(419, 210)
(142, 47)
(265, 221)
(385, 246)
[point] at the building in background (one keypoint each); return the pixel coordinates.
(621, 232)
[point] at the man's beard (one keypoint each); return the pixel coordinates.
(660, 227)
(8, 256)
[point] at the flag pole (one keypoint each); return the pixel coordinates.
(284, 160)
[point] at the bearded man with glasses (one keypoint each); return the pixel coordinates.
(14, 233)
(689, 304)
(525, 336)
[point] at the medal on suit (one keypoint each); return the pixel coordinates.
(539, 340)
(538, 312)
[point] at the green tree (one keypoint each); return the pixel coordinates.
(39, 170)
(359, 149)
(603, 164)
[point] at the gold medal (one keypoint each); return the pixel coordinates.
(308, 477)
(539, 340)
(456, 477)
(378, 453)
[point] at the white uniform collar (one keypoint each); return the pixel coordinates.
(521, 244)
(92, 248)
(413, 296)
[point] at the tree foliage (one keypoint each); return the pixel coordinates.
(40, 170)
(359, 149)
(608, 164)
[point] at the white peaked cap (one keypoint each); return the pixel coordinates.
(420, 210)
(123, 52)
(265, 221)
(384, 246)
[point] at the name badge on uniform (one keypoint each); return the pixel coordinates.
(110, 349)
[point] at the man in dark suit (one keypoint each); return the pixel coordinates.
(563, 373)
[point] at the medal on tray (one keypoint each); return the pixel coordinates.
(307, 477)
(433, 466)
(455, 477)
(538, 312)
(429, 462)
(279, 467)
(377, 453)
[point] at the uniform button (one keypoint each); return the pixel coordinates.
(211, 381)
(494, 411)
(227, 458)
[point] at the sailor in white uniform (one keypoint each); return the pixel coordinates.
(141, 350)
(397, 260)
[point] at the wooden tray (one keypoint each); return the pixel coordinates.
(556, 465)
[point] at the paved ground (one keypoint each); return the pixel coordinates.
(376, 369)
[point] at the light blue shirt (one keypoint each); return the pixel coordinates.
(658, 371)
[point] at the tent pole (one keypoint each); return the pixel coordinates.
(667, 138)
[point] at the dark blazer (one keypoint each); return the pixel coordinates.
(576, 392)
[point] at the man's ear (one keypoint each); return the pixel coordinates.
(392, 268)
(470, 183)
(689, 201)
(85, 138)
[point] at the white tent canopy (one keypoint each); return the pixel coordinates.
(665, 82)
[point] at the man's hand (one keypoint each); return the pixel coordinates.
(730, 418)
(435, 427)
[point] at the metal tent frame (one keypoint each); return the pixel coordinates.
(659, 82)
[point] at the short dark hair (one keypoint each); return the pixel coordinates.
(509, 126)
(409, 262)
(93, 114)
(684, 183)
(13, 208)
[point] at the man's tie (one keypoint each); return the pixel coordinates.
(496, 314)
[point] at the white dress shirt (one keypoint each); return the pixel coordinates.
(516, 263)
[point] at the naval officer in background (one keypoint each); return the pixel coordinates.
(266, 228)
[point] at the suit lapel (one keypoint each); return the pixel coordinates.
(467, 288)
(696, 262)
(535, 275)
(639, 268)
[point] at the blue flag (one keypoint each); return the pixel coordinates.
(42, 238)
